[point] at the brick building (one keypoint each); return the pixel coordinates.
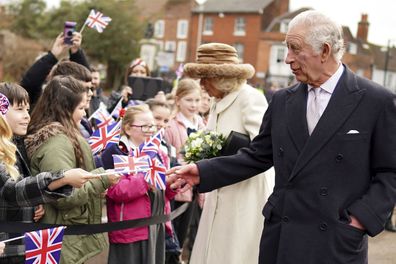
(256, 28)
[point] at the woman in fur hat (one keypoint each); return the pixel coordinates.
(230, 227)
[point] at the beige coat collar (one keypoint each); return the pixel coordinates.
(226, 101)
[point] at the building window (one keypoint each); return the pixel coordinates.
(170, 46)
(352, 48)
(208, 26)
(240, 50)
(280, 55)
(181, 51)
(239, 28)
(160, 44)
(284, 26)
(159, 28)
(182, 29)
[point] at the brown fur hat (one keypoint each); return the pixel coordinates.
(217, 60)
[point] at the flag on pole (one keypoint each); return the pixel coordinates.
(102, 117)
(156, 175)
(151, 146)
(104, 136)
(124, 163)
(97, 20)
(116, 112)
(44, 246)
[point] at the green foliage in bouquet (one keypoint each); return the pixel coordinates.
(202, 145)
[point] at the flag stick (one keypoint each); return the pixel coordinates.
(83, 27)
(12, 239)
(120, 172)
(16, 238)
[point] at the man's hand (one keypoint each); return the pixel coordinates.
(355, 223)
(183, 177)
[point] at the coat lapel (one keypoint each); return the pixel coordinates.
(219, 107)
(344, 100)
(296, 115)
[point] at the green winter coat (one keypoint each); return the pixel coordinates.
(51, 150)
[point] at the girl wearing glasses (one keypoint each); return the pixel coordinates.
(134, 198)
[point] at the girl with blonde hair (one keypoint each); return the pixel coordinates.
(19, 193)
(134, 198)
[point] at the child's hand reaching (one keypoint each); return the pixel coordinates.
(39, 212)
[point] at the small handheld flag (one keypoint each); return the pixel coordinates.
(156, 175)
(44, 246)
(116, 112)
(97, 21)
(104, 136)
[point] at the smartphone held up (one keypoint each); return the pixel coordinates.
(68, 31)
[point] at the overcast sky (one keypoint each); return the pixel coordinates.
(381, 15)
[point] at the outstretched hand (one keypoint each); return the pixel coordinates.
(78, 177)
(182, 178)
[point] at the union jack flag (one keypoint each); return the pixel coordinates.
(44, 246)
(142, 164)
(156, 175)
(150, 146)
(104, 136)
(102, 117)
(116, 112)
(123, 163)
(97, 20)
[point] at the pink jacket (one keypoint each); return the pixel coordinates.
(128, 200)
(176, 134)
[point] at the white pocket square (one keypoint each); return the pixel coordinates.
(353, 131)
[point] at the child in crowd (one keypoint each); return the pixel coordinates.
(204, 107)
(170, 100)
(134, 198)
(54, 142)
(20, 193)
(186, 121)
(161, 112)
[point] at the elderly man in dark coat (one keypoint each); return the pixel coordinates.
(331, 138)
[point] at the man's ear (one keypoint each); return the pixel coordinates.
(326, 52)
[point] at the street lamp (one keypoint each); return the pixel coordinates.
(200, 20)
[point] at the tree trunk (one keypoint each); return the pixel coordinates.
(114, 76)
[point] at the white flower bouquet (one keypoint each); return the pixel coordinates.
(203, 144)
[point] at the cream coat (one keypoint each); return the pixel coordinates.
(231, 222)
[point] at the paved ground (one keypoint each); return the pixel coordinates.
(382, 250)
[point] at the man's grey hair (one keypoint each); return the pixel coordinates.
(320, 30)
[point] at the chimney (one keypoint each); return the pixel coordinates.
(283, 6)
(363, 27)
